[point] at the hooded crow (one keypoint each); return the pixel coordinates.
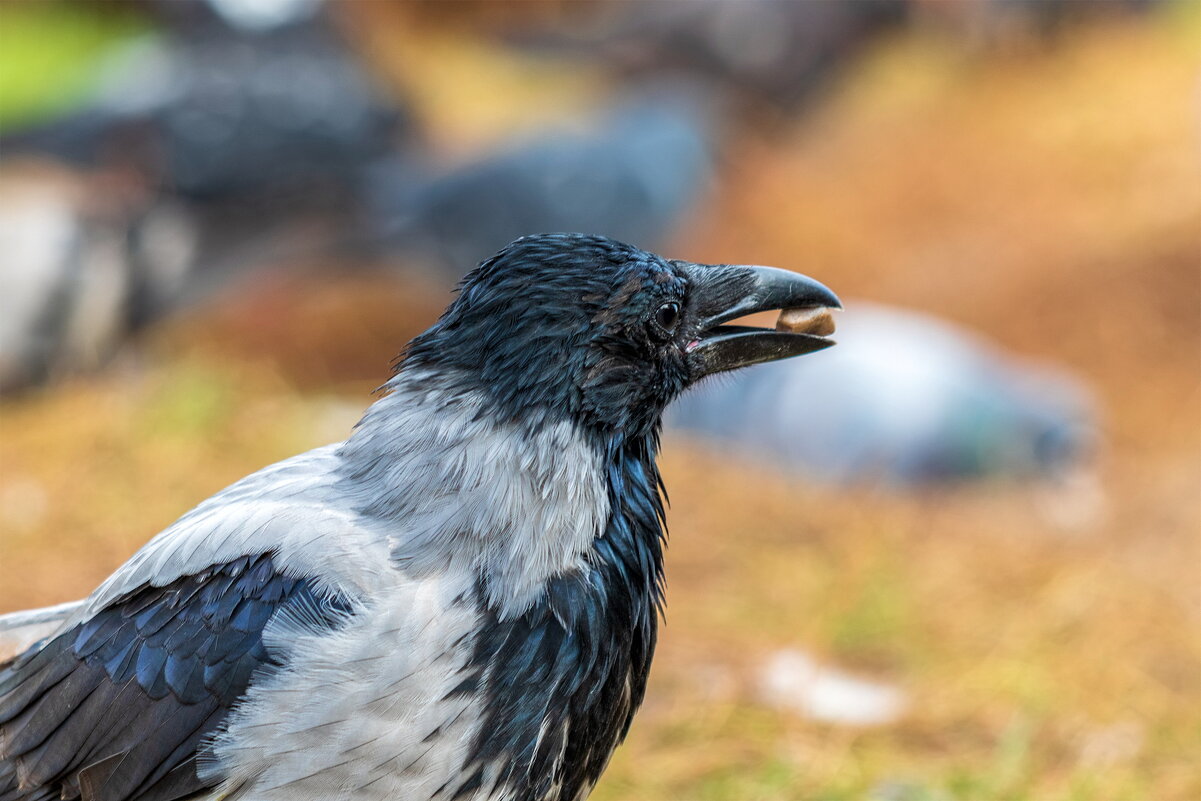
(460, 601)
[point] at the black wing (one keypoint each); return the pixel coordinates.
(116, 707)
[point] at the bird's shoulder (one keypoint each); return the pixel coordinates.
(292, 510)
(174, 636)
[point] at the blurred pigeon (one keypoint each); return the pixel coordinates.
(904, 399)
(782, 52)
(212, 112)
(220, 136)
(779, 51)
(631, 178)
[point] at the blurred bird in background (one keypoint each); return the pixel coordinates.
(634, 177)
(458, 602)
(906, 400)
(230, 135)
(777, 52)
(221, 112)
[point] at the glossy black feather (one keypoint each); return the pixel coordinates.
(561, 683)
(575, 346)
(116, 708)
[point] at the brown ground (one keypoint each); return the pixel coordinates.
(1051, 199)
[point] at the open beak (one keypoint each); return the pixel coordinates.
(725, 292)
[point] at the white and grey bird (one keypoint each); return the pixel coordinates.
(460, 601)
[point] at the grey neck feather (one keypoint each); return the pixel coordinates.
(514, 503)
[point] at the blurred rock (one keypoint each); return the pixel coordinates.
(632, 177)
(902, 399)
(795, 681)
(1116, 744)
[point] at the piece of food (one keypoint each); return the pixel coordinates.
(815, 320)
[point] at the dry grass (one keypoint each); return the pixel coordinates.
(1051, 199)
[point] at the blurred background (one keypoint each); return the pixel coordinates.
(957, 556)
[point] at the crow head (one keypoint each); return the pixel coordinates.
(605, 333)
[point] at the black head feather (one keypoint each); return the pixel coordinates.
(566, 324)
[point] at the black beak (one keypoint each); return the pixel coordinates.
(724, 292)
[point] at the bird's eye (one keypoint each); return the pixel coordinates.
(667, 317)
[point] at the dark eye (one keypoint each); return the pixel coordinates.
(667, 317)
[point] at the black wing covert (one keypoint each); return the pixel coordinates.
(116, 707)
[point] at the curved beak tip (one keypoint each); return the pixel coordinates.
(727, 292)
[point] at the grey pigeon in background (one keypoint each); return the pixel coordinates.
(217, 113)
(233, 137)
(460, 601)
(632, 177)
(784, 53)
(778, 51)
(905, 399)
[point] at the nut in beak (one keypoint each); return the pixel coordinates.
(813, 320)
